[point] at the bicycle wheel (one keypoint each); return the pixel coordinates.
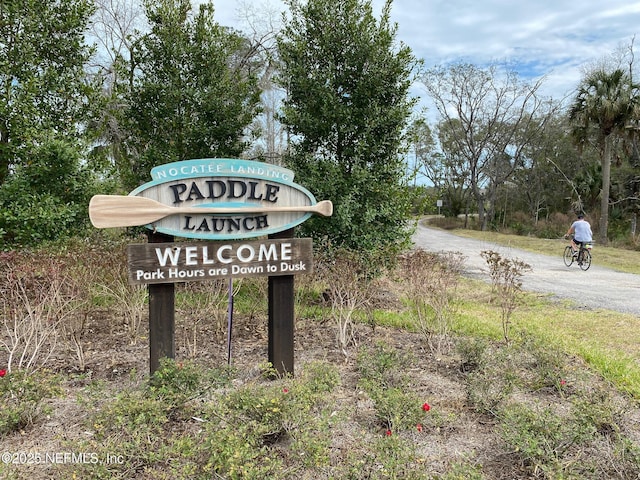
(586, 260)
(568, 256)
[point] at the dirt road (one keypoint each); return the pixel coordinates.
(598, 287)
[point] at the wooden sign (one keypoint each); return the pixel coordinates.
(216, 199)
(183, 262)
(252, 199)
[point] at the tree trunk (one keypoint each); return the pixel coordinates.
(606, 181)
(479, 198)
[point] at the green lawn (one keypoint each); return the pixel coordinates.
(607, 341)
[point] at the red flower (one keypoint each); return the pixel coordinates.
(285, 390)
(419, 427)
(3, 372)
(388, 433)
(563, 382)
(426, 407)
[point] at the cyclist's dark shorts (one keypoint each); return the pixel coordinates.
(579, 243)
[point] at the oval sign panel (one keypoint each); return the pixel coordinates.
(222, 199)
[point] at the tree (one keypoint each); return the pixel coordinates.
(550, 170)
(261, 23)
(47, 197)
(492, 116)
(194, 89)
(456, 177)
(422, 145)
(346, 106)
(603, 106)
(116, 25)
(43, 86)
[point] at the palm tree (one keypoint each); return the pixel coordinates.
(603, 106)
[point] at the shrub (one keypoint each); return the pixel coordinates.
(176, 383)
(128, 301)
(188, 422)
(36, 300)
(47, 198)
(382, 376)
(505, 278)
(431, 280)
(388, 457)
(489, 386)
(348, 279)
(538, 435)
(23, 396)
(202, 303)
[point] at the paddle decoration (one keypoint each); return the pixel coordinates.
(108, 211)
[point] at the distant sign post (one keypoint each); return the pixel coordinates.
(222, 202)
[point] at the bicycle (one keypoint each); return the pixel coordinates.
(582, 256)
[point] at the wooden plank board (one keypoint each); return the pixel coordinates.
(197, 261)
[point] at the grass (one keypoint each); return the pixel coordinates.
(365, 417)
(606, 340)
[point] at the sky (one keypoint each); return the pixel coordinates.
(554, 39)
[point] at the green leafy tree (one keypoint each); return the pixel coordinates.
(602, 108)
(549, 172)
(47, 197)
(43, 86)
(193, 91)
(347, 104)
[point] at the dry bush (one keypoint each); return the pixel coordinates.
(202, 303)
(505, 276)
(348, 283)
(431, 281)
(256, 292)
(445, 223)
(127, 301)
(84, 267)
(48, 297)
(73, 327)
(37, 298)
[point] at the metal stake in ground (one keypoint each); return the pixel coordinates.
(229, 320)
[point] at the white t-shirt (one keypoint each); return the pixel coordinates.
(582, 231)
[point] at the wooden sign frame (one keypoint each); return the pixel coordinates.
(216, 199)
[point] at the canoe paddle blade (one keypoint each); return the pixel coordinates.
(107, 211)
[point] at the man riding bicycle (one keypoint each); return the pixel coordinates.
(581, 230)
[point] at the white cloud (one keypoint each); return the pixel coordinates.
(543, 37)
(555, 38)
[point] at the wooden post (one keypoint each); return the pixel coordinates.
(281, 317)
(161, 315)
